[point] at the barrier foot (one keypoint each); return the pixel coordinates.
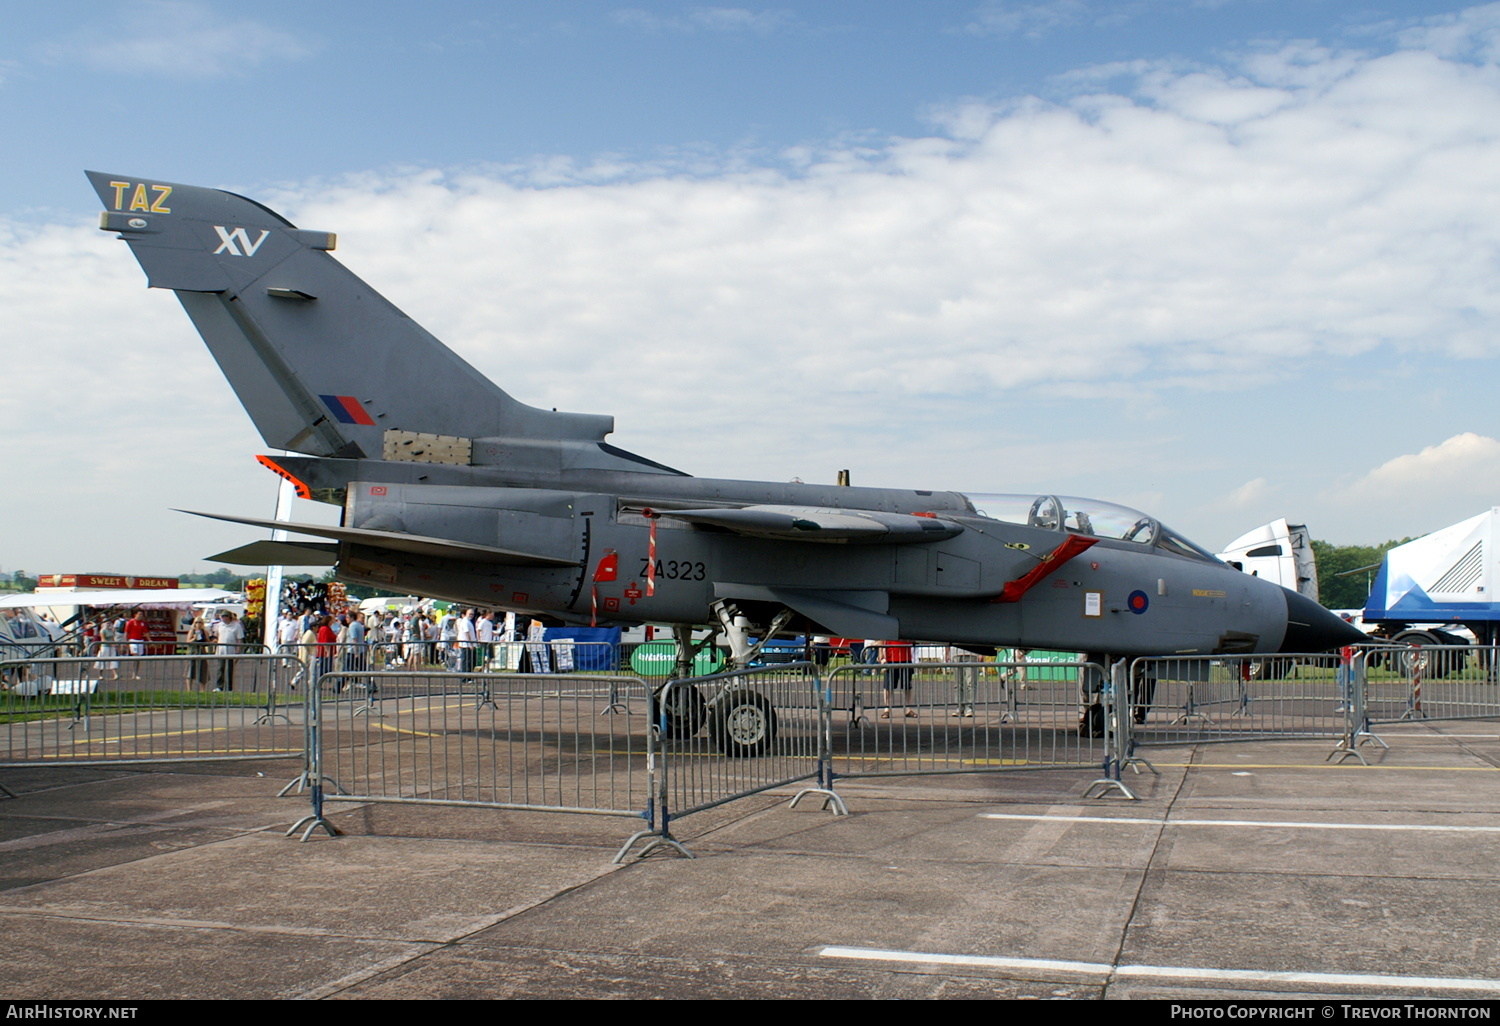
(6, 792)
(271, 717)
(830, 799)
(1135, 762)
(1344, 751)
(1189, 717)
(303, 781)
(313, 822)
(613, 707)
(658, 840)
(1365, 737)
(1105, 785)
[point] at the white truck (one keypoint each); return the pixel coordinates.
(1279, 552)
(1428, 588)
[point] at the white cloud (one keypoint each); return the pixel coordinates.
(180, 39)
(1250, 493)
(1189, 232)
(1416, 493)
(1468, 462)
(1032, 20)
(706, 19)
(1208, 233)
(1472, 33)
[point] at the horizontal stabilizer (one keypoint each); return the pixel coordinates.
(394, 541)
(807, 523)
(280, 553)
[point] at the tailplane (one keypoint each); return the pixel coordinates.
(323, 363)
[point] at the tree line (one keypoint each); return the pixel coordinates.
(1339, 585)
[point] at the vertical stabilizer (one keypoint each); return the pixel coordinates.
(323, 363)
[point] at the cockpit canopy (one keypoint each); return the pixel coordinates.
(1087, 516)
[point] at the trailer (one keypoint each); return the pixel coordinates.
(1429, 589)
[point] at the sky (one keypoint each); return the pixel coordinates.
(1220, 260)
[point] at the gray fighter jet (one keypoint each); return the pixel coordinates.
(452, 488)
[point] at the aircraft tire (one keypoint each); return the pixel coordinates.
(744, 724)
(686, 711)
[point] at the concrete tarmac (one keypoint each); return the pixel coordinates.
(1246, 870)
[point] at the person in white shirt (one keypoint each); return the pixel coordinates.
(486, 630)
(448, 640)
(467, 639)
(230, 635)
(288, 630)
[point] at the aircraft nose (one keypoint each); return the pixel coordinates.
(1311, 628)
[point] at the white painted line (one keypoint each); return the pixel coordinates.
(1285, 824)
(1334, 979)
(986, 961)
(1165, 971)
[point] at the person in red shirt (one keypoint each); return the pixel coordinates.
(327, 643)
(135, 637)
(898, 677)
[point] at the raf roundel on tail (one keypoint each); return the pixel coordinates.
(452, 488)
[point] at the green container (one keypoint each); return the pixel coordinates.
(659, 658)
(1039, 663)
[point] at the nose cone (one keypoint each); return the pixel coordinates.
(1311, 628)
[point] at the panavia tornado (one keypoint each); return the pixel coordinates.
(453, 489)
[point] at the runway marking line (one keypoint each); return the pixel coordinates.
(402, 730)
(955, 761)
(917, 756)
(1164, 971)
(86, 740)
(189, 752)
(1322, 766)
(1293, 824)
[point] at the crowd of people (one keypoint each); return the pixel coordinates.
(350, 641)
(346, 639)
(106, 639)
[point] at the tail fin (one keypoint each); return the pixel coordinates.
(323, 363)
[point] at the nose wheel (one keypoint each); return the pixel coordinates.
(744, 724)
(682, 708)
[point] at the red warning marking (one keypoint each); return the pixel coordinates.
(608, 568)
(303, 492)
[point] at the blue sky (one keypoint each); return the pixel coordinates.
(1224, 261)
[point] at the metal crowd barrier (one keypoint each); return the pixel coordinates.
(1200, 699)
(619, 745)
(1197, 699)
(731, 735)
(1446, 682)
(578, 743)
(92, 710)
(970, 717)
